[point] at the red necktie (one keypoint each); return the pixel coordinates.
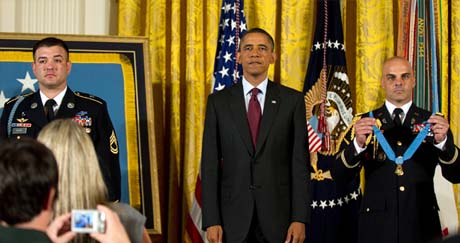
(254, 115)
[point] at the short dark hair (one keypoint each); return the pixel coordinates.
(28, 172)
(258, 30)
(49, 42)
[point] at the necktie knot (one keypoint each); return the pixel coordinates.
(397, 116)
(49, 110)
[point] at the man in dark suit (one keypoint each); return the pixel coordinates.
(255, 180)
(26, 115)
(399, 202)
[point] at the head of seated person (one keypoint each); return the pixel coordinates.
(28, 183)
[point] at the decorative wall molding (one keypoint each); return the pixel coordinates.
(50, 16)
(89, 17)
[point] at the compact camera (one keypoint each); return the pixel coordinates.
(88, 221)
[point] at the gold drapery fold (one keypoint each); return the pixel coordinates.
(443, 35)
(454, 67)
(183, 38)
(453, 90)
(294, 41)
(374, 43)
(131, 18)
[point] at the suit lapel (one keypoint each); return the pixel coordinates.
(36, 112)
(412, 117)
(67, 107)
(271, 105)
(238, 109)
(384, 116)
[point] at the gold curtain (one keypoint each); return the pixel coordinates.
(451, 62)
(183, 37)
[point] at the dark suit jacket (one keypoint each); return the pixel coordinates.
(399, 208)
(273, 179)
(29, 118)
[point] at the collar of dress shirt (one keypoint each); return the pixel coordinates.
(247, 87)
(58, 98)
(390, 107)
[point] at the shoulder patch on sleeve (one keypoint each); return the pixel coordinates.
(89, 97)
(13, 99)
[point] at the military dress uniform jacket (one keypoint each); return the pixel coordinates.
(89, 111)
(399, 209)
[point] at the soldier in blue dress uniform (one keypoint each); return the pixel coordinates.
(26, 115)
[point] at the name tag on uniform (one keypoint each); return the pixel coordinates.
(19, 130)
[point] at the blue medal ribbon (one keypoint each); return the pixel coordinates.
(409, 152)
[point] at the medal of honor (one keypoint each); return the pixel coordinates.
(399, 169)
(390, 154)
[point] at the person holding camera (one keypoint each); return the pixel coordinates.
(81, 184)
(28, 183)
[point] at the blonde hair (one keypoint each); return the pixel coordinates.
(81, 185)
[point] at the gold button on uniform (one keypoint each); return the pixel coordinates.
(402, 188)
(399, 143)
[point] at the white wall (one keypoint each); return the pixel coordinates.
(86, 17)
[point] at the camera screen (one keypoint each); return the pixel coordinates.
(84, 220)
(87, 221)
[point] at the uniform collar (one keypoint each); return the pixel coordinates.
(58, 98)
(390, 107)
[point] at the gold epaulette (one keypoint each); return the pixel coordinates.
(89, 97)
(17, 97)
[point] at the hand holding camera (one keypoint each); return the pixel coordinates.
(102, 224)
(59, 229)
(114, 230)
